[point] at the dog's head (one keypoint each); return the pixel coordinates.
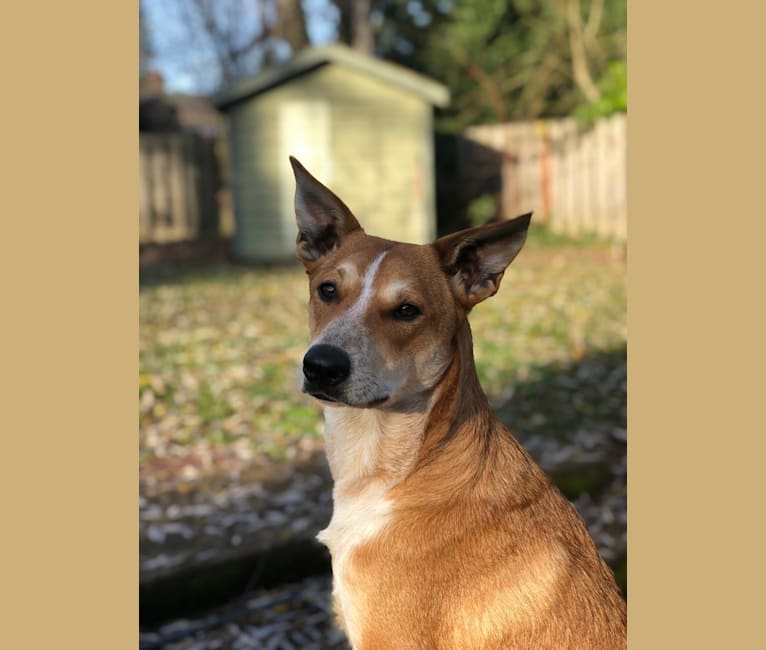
(383, 314)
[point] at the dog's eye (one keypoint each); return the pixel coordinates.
(327, 291)
(406, 312)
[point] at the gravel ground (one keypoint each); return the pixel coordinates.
(293, 617)
(207, 521)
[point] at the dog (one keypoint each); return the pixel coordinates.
(444, 532)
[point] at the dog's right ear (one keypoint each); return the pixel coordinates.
(323, 219)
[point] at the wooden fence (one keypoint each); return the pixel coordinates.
(180, 185)
(575, 181)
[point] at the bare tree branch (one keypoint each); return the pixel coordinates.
(595, 13)
(354, 26)
(221, 36)
(532, 99)
(238, 28)
(580, 68)
(362, 37)
(291, 24)
(481, 77)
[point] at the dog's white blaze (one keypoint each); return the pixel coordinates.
(360, 306)
(351, 320)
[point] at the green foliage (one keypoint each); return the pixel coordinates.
(541, 236)
(502, 60)
(614, 95)
(481, 210)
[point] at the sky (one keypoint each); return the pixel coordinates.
(181, 60)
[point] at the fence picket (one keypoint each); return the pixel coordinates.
(178, 185)
(574, 181)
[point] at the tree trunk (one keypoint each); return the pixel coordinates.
(291, 24)
(580, 68)
(354, 26)
(363, 38)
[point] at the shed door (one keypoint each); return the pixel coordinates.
(304, 132)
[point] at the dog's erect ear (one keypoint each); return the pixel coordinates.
(475, 259)
(323, 219)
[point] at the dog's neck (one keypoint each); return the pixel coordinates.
(386, 446)
(371, 445)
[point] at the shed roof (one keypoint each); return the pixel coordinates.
(314, 57)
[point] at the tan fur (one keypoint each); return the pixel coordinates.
(445, 533)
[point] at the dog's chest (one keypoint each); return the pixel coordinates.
(361, 507)
(356, 519)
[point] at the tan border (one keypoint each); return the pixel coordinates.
(69, 456)
(69, 353)
(695, 187)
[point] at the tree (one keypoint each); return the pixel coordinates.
(580, 40)
(507, 60)
(289, 25)
(354, 26)
(501, 59)
(145, 48)
(234, 38)
(239, 36)
(216, 42)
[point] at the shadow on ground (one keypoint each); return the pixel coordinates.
(561, 399)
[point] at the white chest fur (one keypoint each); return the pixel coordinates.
(355, 520)
(356, 442)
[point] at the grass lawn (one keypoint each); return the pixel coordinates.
(220, 348)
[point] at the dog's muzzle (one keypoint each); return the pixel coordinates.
(325, 367)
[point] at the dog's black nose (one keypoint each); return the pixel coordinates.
(326, 365)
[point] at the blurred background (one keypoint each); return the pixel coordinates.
(425, 117)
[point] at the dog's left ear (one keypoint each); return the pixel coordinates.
(475, 259)
(323, 219)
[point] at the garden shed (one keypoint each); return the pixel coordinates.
(362, 126)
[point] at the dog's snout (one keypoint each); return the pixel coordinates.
(326, 365)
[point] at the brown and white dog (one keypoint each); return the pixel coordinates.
(444, 533)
